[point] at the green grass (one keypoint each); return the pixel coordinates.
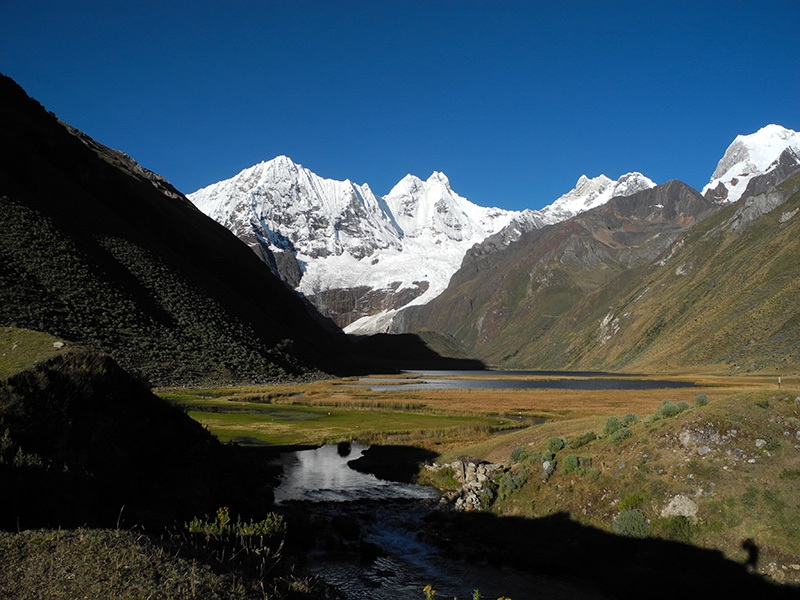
(292, 424)
(21, 348)
(707, 454)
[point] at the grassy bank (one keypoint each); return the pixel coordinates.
(710, 466)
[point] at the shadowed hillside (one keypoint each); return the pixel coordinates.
(81, 442)
(97, 250)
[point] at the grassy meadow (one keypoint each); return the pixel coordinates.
(733, 456)
(449, 421)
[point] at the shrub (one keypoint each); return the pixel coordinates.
(582, 440)
(518, 454)
(629, 419)
(612, 424)
(570, 464)
(631, 523)
(619, 435)
(700, 400)
(554, 444)
(668, 409)
(510, 483)
(593, 473)
(635, 500)
(486, 494)
(677, 529)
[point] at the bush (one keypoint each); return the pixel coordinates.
(629, 419)
(635, 500)
(612, 424)
(619, 435)
(518, 454)
(677, 529)
(554, 444)
(631, 523)
(570, 464)
(668, 409)
(700, 400)
(582, 440)
(510, 483)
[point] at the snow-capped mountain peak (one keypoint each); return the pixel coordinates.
(358, 255)
(592, 192)
(747, 157)
(431, 209)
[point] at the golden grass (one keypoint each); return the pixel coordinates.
(352, 412)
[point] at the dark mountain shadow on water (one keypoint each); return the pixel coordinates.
(406, 351)
(393, 463)
(616, 566)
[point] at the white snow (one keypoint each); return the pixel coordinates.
(749, 156)
(590, 193)
(345, 236)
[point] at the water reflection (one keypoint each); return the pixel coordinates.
(500, 380)
(322, 475)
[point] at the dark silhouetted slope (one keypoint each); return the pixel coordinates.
(98, 250)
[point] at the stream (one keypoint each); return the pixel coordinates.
(370, 537)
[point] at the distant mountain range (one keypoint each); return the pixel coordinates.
(361, 259)
(662, 280)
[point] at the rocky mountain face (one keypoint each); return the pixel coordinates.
(360, 259)
(503, 299)
(99, 251)
(662, 279)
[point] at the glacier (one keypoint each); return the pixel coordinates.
(344, 237)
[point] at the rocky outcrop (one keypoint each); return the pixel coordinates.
(346, 305)
(478, 489)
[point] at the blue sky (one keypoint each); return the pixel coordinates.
(512, 100)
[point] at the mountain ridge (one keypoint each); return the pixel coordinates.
(706, 290)
(363, 260)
